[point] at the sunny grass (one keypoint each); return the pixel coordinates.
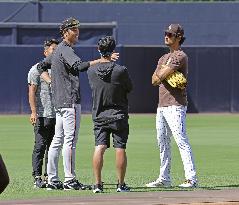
(214, 140)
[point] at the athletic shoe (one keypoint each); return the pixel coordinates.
(73, 185)
(55, 185)
(98, 188)
(122, 188)
(188, 184)
(158, 183)
(39, 183)
(45, 179)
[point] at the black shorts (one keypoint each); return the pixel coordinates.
(119, 130)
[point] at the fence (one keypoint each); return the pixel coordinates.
(213, 76)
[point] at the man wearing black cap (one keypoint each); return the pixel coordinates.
(171, 112)
(65, 66)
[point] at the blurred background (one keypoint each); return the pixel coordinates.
(211, 30)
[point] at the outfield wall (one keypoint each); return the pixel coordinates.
(212, 31)
(213, 75)
(211, 23)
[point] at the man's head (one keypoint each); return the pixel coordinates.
(69, 30)
(174, 34)
(49, 46)
(106, 46)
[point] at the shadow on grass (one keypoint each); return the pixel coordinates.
(229, 186)
(173, 188)
(155, 189)
(219, 187)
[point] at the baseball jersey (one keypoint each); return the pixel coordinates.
(65, 66)
(110, 84)
(44, 104)
(168, 95)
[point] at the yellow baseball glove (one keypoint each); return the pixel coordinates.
(177, 80)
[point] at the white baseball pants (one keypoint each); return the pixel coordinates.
(66, 134)
(171, 121)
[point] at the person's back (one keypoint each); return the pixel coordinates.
(110, 85)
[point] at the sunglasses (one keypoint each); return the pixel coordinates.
(170, 35)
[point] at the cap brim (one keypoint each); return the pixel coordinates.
(74, 26)
(169, 31)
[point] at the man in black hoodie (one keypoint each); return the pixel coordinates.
(110, 84)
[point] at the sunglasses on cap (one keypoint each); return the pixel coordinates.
(168, 34)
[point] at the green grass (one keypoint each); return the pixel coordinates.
(214, 139)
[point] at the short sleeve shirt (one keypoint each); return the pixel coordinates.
(44, 104)
(168, 95)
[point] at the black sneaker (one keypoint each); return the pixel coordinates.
(55, 185)
(122, 188)
(73, 185)
(45, 178)
(39, 183)
(98, 188)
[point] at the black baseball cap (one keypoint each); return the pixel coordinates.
(69, 23)
(175, 29)
(48, 43)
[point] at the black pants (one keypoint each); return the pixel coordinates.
(4, 178)
(44, 131)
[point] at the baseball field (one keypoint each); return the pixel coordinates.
(214, 139)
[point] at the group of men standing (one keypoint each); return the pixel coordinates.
(54, 97)
(109, 112)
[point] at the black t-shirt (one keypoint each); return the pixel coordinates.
(110, 84)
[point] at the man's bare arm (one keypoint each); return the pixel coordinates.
(114, 57)
(32, 101)
(164, 72)
(160, 74)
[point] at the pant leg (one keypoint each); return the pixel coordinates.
(176, 118)
(39, 147)
(164, 140)
(50, 129)
(4, 177)
(55, 148)
(71, 125)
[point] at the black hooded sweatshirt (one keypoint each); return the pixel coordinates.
(110, 84)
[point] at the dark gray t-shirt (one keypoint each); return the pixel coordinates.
(110, 84)
(65, 67)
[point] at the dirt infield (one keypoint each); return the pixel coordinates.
(196, 197)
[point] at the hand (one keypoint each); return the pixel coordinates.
(45, 76)
(155, 80)
(115, 56)
(33, 118)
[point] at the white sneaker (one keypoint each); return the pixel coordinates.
(158, 183)
(188, 184)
